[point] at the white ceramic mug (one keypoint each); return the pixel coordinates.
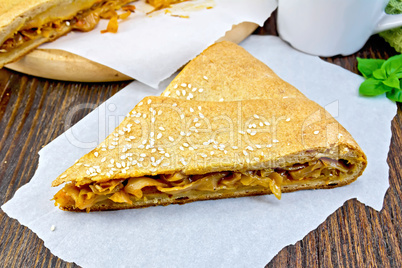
(331, 27)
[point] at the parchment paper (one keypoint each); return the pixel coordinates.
(241, 232)
(151, 48)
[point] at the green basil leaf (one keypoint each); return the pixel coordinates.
(368, 66)
(393, 66)
(373, 87)
(380, 74)
(392, 81)
(395, 95)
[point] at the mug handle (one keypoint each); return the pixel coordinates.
(388, 22)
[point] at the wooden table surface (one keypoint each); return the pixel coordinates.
(32, 113)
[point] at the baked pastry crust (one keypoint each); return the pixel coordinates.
(206, 123)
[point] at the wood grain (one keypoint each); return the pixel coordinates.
(32, 113)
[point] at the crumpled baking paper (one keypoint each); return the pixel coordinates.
(240, 232)
(150, 48)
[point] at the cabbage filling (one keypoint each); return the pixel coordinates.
(84, 20)
(178, 185)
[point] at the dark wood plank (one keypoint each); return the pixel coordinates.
(32, 113)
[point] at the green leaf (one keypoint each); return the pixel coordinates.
(395, 95)
(392, 81)
(368, 66)
(373, 87)
(393, 66)
(380, 74)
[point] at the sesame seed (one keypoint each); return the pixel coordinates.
(153, 150)
(242, 132)
(267, 123)
(235, 147)
(183, 92)
(288, 119)
(189, 85)
(144, 116)
(63, 176)
(151, 134)
(201, 90)
(143, 155)
(167, 93)
(174, 104)
(182, 133)
(159, 136)
(258, 146)
(177, 92)
(139, 104)
(182, 116)
(197, 124)
(185, 144)
(199, 108)
(162, 128)
(159, 112)
(253, 133)
(261, 124)
(244, 152)
(118, 165)
(206, 78)
(249, 148)
(149, 101)
(212, 153)
(132, 137)
(183, 85)
(167, 154)
(316, 132)
(103, 159)
(256, 116)
(181, 148)
(275, 140)
(221, 99)
(175, 86)
(171, 138)
(191, 110)
(137, 121)
(201, 115)
(96, 154)
(195, 119)
(153, 119)
(52, 228)
(190, 95)
(194, 89)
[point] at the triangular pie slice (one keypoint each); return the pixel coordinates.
(174, 150)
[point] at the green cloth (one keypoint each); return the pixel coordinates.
(394, 36)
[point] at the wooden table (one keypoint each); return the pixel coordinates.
(32, 113)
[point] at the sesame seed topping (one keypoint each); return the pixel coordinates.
(212, 153)
(316, 132)
(118, 165)
(249, 148)
(167, 154)
(235, 147)
(185, 144)
(194, 89)
(167, 93)
(177, 92)
(258, 146)
(269, 145)
(151, 134)
(253, 133)
(183, 92)
(149, 101)
(103, 159)
(182, 116)
(182, 133)
(159, 136)
(221, 99)
(161, 128)
(199, 108)
(201, 90)
(256, 116)
(190, 95)
(143, 155)
(139, 104)
(181, 148)
(171, 138)
(63, 176)
(96, 154)
(183, 85)
(191, 110)
(288, 119)
(52, 228)
(245, 153)
(206, 78)
(174, 104)
(159, 112)
(197, 124)
(267, 123)
(275, 140)
(175, 86)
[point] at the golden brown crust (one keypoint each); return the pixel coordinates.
(244, 118)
